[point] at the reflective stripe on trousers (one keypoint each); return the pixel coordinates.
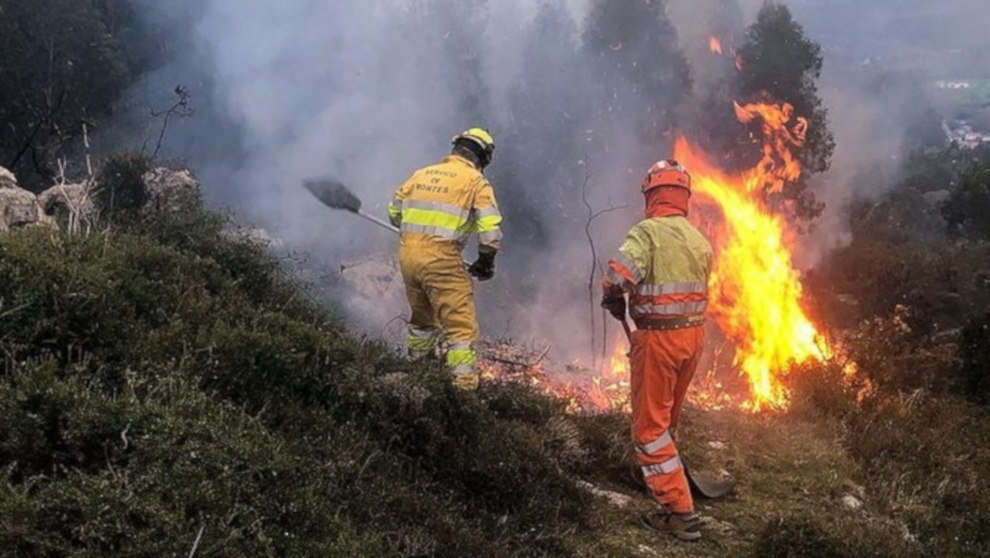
(461, 358)
(653, 447)
(421, 342)
(665, 468)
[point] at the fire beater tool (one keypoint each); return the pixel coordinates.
(705, 485)
(335, 195)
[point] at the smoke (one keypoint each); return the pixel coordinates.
(581, 96)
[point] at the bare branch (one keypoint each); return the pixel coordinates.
(179, 109)
(595, 264)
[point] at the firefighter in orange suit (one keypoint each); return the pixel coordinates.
(663, 265)
(437, 209)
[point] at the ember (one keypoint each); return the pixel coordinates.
(715, 45)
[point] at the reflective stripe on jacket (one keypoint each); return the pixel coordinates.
(664, 264)
(448, 201)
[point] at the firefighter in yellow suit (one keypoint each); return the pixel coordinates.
(437, 209)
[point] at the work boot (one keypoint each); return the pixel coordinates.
(684, 526)
(468, 381)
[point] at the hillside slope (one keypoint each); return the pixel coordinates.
(167, 390)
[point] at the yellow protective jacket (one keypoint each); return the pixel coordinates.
(664, 264)
(447, 202)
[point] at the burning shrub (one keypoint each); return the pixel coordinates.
(824, 389)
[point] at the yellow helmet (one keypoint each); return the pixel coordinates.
(479, 141)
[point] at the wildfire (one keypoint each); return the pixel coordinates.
(715, 45)
(755, 289)
(780, 137)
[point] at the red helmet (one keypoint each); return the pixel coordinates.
(667, 173)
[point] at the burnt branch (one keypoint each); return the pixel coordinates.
(595, 265)
(180, 109)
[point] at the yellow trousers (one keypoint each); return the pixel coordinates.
(441, 296)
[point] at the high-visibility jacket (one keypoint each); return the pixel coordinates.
(664, 264)
(448, 202)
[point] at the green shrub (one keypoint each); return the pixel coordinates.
(164, 379)
(120, 187)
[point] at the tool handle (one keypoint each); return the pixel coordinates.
(627, 329)
(377, 221)
(390, 227)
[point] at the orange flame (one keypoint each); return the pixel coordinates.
(715, 45)
(756, 291)
(780, 137)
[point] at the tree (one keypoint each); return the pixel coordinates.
(642, 73)
(61, 64)
(778, 59)
(543, 138)
(968, 208)
(777, 64)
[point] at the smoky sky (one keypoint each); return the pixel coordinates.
(367, 91)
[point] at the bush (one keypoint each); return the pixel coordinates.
(120, 187)
(794, 537)
(165, 379)
(975, 357)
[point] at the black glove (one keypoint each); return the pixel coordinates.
(616, 305)
(483, 268)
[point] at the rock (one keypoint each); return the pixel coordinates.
(7, 179)
(68, 202)
(852, 502)
(716, 445)
(170, 190)
(648, 551)
(254, 235)
(375, 277)
(856, 490)
(19, 208)
(614, 498)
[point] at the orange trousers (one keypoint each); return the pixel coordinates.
(662, 364)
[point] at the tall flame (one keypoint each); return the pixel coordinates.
(756, 291)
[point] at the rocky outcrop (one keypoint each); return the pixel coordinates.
(170, 190)
(69, 205)
(19, 208)
(7, 179)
